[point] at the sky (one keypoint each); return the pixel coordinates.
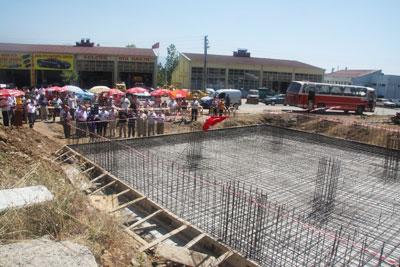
(357, 34)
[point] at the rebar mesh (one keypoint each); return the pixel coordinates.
(280, 197)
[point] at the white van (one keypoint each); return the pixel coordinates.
(235, 96)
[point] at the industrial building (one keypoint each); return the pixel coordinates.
(241, 71)
(387, 86)
(35, 65)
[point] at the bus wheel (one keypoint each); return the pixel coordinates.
(346, 112)
(360, 110)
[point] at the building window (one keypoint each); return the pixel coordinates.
(243, 79)
(277, 81)
(93, 65)
(308, 77)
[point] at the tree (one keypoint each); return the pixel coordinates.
(131, 46)
(69, 77)
(171, 61)
(161, 77)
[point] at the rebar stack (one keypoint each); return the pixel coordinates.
(280, 197)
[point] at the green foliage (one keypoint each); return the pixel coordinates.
(161, 75)
(171, 61)
(70, 77)
(131, 46)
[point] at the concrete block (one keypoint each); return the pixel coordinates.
(25, 196)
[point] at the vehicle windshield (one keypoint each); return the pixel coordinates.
(253, 92)
(294, 87)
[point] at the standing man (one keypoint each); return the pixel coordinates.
(131, 123)
(151, 120)
(195, 106)
(72, 104)
(160, 122)
(66, 119)
(43, 102)
(31, 108)
(5, 105)
(103, 116)
(56, 106)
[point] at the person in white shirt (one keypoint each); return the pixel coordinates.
(56, 107)
(195, 106)
(31, 108)
(112, 121)
(125, 103)
(81, 121)
(142, 123)
(151, 120)
(103, 116)
(72, 104)
(5, 110)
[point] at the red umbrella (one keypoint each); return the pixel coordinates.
(181, 93)
(136, 90)
(56, 89)
(11, 92)
(160, 92)
(114, 91)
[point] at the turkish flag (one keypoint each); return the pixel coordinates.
(211, 121)
(156, 45)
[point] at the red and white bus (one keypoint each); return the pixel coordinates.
(310, 95)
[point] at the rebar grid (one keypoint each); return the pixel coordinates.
(281, 197)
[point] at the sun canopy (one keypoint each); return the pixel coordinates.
(73, 89)
(136, 90)
(99, 89)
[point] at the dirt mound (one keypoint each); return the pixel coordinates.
(25, 159)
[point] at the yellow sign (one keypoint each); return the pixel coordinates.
(15, 61)
(53, 62)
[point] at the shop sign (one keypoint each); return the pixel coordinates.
(15, 61)
(53, 62)
(94, 57)
(135, 59)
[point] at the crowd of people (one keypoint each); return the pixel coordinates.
(111, 118)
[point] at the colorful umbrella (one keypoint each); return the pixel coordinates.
(181, 93)
(56, 89)
(99, 89)
(85, 95)
(11, 92)
(114, 91)
(73, 89)
(160, 92)
(136, 90)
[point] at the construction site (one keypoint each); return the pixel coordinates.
(279, 197)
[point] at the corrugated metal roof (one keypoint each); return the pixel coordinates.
(350, 73)
(65, 49)
(224, 59)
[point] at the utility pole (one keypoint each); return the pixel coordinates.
(205, 62)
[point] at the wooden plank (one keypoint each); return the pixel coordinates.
(63, 154)
(223, 257)
(121, 193)
(145, 227)
(137, 237)
(103, 187)
(68, 158)
(88, 170)
(98, 178)
(127, 204)
(144, 219)
(162, 238)
(195, 240)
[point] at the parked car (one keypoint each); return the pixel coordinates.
(235, 97)
(276, 99)
(389, 104)
(252, 97)
(396, 102)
